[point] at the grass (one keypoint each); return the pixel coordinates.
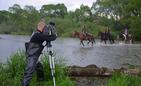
(119, 79)
(11, 73)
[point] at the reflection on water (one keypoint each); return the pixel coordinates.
(108, 55)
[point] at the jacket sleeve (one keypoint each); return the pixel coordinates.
(45, 37)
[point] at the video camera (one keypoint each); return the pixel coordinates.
(50, 29)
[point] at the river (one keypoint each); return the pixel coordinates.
(109, 55)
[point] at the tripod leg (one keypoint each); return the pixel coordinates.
(51, 63)
(52, 67)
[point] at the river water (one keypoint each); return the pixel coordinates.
(109, 55)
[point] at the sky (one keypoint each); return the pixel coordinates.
(70, 4)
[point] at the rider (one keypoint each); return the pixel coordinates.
(108, 33)
(126, 32)
(34, 48)
(84, 30)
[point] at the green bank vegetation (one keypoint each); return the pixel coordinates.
(119, 79)
(11, 73)
(115, 14)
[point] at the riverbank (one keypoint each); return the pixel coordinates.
(91, 75)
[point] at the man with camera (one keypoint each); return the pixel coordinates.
(35, 46)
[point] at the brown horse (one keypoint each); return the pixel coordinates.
(87, 37)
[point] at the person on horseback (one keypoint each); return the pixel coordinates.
(107, 32)
(84, 30)
(110, 36)
(126, 32)
(128, 35)
(125, 35)
(102, 35)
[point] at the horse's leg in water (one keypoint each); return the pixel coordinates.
(88, 42)
(130, 41)
(110, 41)
(113, 40)
(92, 42)
(104, 41)
(125, 38)
(101, 40)
(81, 42)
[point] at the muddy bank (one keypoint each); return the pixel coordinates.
(94, 71)
(89, 71)
(92, 75)
(90, 81)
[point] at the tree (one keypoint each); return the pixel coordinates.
(54, 10)
(123, 11)
(83, 14)
(31, 16)
(4, 16)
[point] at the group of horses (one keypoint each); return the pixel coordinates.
(104, 37)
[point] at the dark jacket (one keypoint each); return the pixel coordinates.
(39, 37)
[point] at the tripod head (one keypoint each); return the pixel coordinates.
(49, 45)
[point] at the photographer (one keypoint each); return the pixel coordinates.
(35, 46)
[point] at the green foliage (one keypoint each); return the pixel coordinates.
(114, 14)
(52, 10)
(119, 79)
(11, 73)
(7, 28)
(126, 12)
(135, 27)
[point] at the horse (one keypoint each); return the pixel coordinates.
(111, 38)
(87, 37)
(106, 36)
(125, 38)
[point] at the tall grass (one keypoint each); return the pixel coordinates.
(11, 73)
(119, 79)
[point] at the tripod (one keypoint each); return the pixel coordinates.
(51, 61)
